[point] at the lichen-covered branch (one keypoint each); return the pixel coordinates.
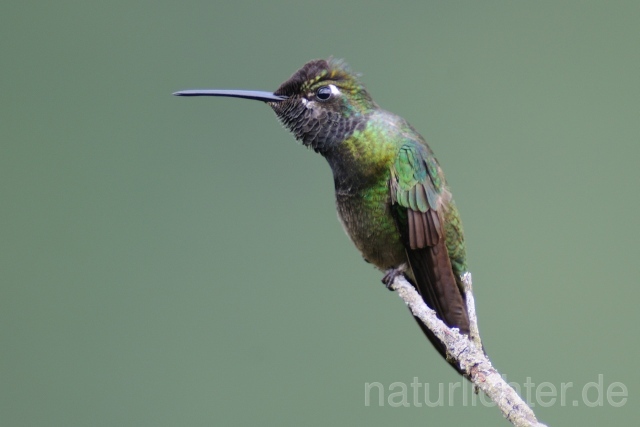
(467, 353)
(474, 333)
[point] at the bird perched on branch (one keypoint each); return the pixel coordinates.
(391, 193)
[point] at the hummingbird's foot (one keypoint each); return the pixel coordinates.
(391, 274)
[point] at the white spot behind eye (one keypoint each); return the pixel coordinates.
(334, 90)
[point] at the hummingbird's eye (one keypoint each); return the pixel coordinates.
(323, 93)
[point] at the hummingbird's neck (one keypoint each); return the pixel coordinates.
(364, 158)
(321, 130)
(327, 137)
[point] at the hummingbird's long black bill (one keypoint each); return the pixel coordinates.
(245, 94)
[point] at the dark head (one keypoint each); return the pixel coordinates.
(325, 103)
(322, 103)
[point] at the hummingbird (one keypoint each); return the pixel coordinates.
(391, 194)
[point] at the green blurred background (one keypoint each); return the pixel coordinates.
(178, 262)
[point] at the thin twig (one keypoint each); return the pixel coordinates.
(468, 354)
(474, 333)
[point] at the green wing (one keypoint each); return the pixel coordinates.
(422, 206)
(417, 187)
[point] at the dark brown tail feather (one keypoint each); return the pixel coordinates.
(435, 281)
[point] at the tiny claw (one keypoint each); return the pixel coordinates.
(390, 276)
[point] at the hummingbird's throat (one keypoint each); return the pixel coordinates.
(316, 127)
